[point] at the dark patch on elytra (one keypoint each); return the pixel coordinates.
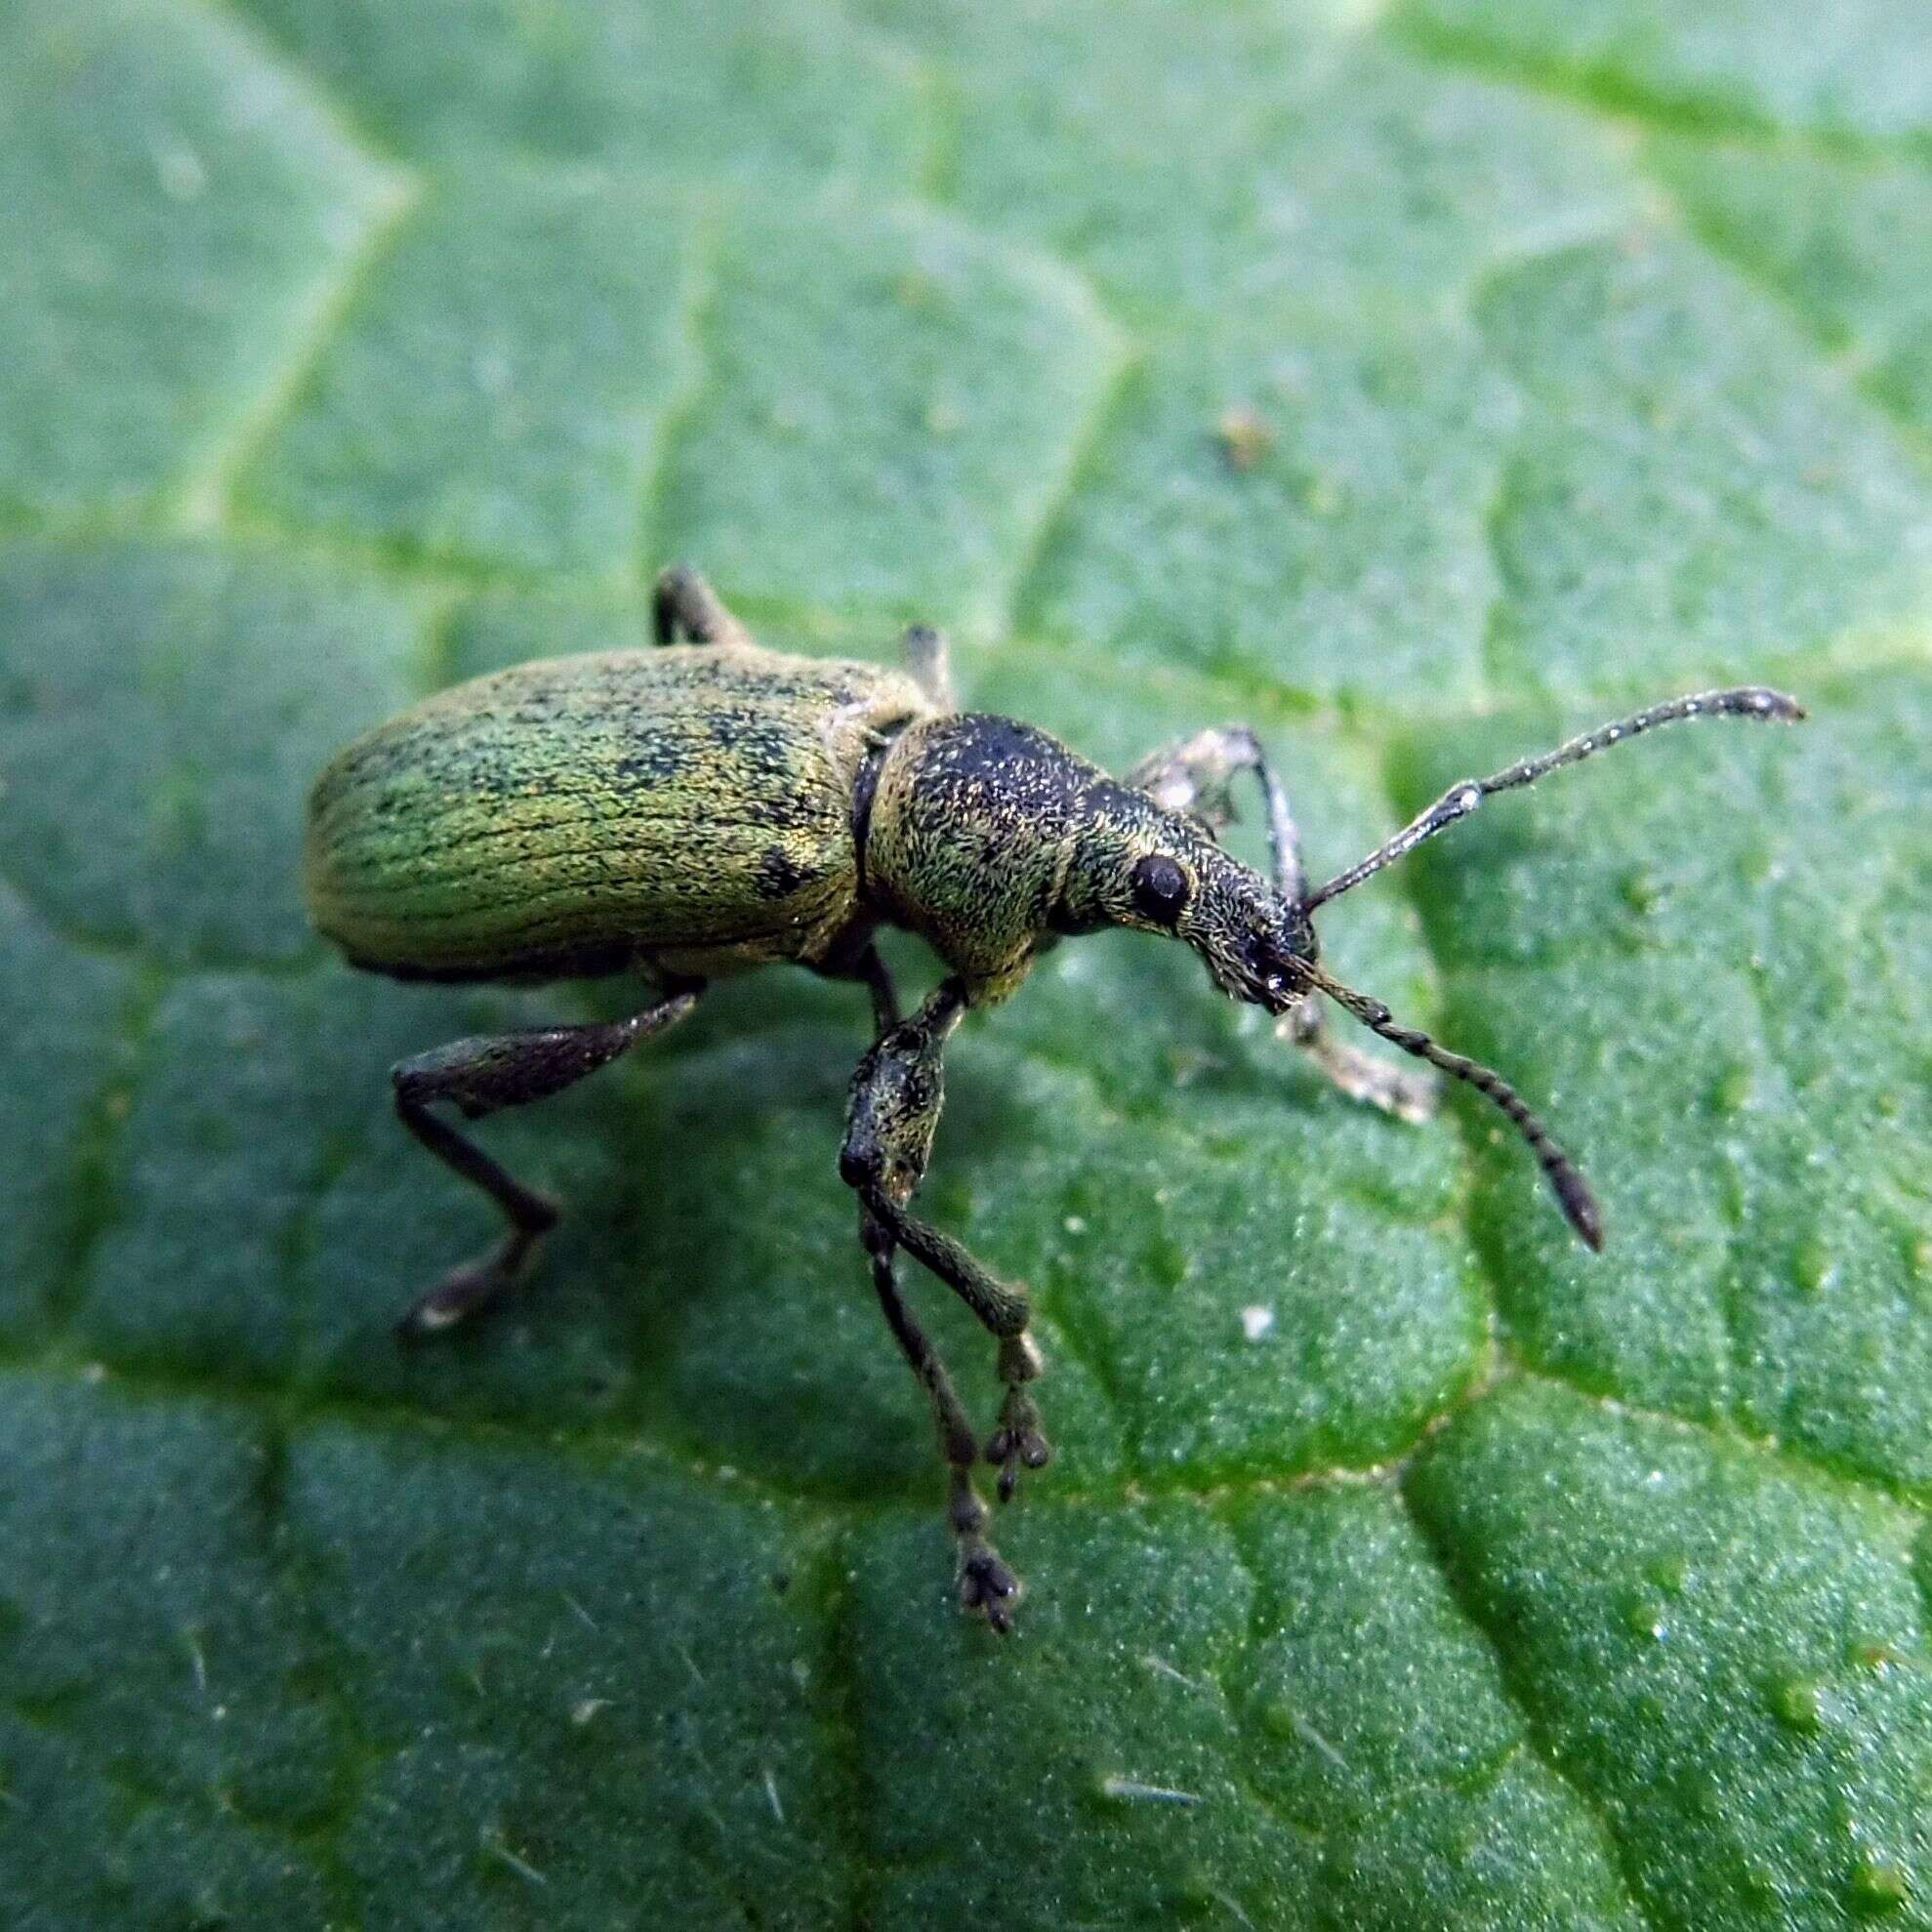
(655, 758)
(778, 875)
(755, 738)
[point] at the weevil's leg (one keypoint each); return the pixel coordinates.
(870, 968)
(897, 1094)
(685, 608)
(477, 1076)
(867, 966)
(929, 659)
(986, 1585)
(1379, 1083)
(1194, 776)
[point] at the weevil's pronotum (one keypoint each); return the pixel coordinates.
(707, 806)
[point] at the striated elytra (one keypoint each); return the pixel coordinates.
(707, 807)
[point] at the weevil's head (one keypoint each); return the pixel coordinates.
(1136, 864)
(992, 839)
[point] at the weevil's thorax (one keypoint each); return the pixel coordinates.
(968, 838)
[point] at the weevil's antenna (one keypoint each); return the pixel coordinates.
(1460, 800)
(1572, 1192)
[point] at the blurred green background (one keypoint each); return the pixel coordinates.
(1412, 381)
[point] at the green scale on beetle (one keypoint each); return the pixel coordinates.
(707, 807)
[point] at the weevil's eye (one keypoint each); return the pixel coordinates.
(1160, 888)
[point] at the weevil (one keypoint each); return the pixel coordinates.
(707, 806)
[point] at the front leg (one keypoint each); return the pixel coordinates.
(1197, 775)
(896, 1098)
(987, 1587)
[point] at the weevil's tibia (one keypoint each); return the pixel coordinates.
(867, 965)
(1365, 1077)
(1196, 776)
(929, 659)
(987, 1587)
(479, 1076)
(1572, 1191)
(1461, 799)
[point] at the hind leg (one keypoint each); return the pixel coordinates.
(685, 609)
(477, 1077)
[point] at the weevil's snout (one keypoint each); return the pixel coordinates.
(1256, 945)
(1275, 960)
(1268, 961)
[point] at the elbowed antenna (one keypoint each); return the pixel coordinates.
(1572, 1191)
(1460, 800)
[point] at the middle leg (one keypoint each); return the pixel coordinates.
(866, 965)
(929, 659)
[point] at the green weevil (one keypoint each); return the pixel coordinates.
(709, 805)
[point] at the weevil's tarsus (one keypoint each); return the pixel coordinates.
(986, 1585)
(685, 609)
(480, 1284)
(479, 1076)
(1017, 1442)
(1572, 1191)
(1461, 799)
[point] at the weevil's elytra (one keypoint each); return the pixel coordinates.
(709, 806)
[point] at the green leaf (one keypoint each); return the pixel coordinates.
(1417, 384)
